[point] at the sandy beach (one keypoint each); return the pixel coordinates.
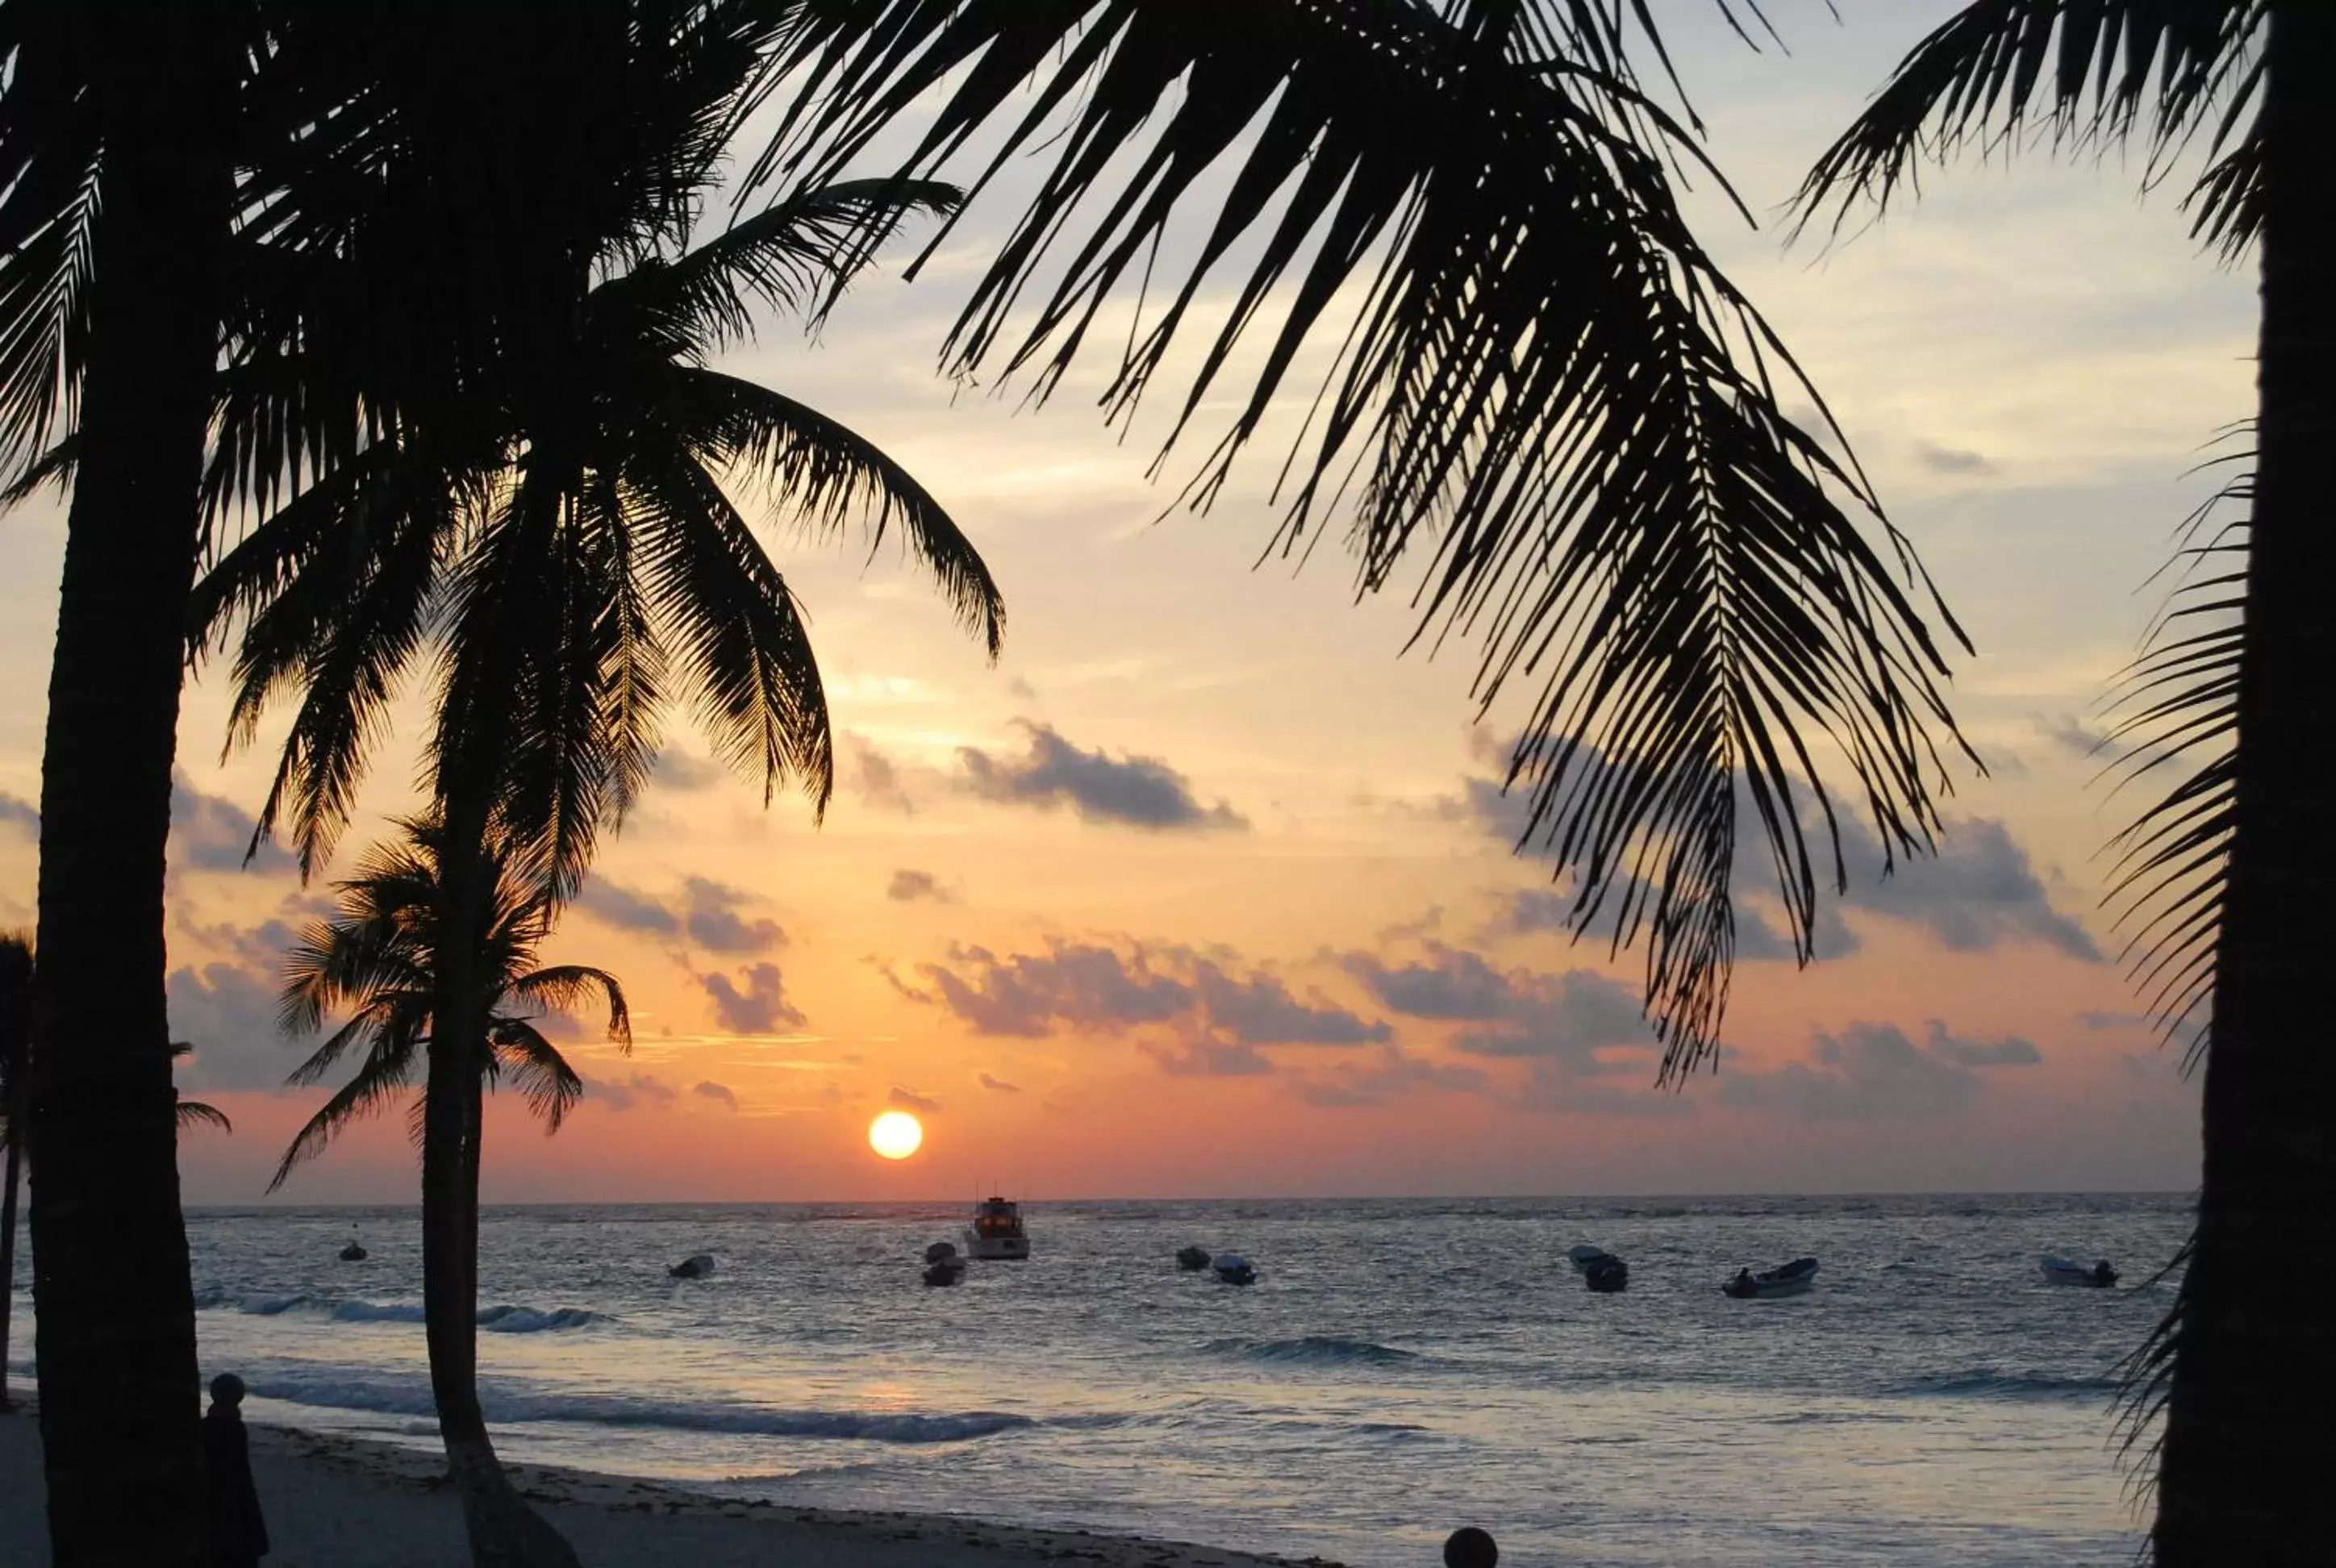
(343, 1502)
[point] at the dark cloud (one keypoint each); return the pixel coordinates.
(260, 948)
(1000, 1084)
(1950, 459)
(227, 1014)
(637, 1092)
(1875, 1071)
(910, 1100)
(1088, 986)
(758, 1009)
(211, 834)
(2111, 1020)
(17, 813)
(715, 924)
(720, 1093)
(626, 910)
(1576, 1025)
(678, 770)
(1200, 1057)
(908, 887)
(1452, 983)
(1135, 791)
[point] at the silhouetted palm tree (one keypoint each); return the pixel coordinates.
(2227, 874)
(197, 1113)
(563, 540)
(16, 1035)
(378, 963)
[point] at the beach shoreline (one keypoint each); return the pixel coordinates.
(338, 1501)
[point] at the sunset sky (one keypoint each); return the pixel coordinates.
(1207, 887)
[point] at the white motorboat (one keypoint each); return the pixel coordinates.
(2067, 1271)
(997, 1234)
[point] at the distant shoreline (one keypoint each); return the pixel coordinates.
(961, 1201)
(334, 1502)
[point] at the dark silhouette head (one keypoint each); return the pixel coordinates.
(227, 1390)
(1470, 1547)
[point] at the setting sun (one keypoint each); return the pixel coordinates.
(895, 1135)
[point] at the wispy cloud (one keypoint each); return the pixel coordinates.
(1132, 791)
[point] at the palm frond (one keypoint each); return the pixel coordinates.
(2081, 73)
(201, 1113)
(384, 1074)
(1538, 381)
(50, 135)
(564, 988)
(823, 476)
(537, 1069)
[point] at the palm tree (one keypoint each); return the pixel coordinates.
(2226, 874)
(16, 1035)
(378, 963)
(562, 537)
(110, 277)
(196, 1112)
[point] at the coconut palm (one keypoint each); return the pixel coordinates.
(2225, 874)
(561, 540)
(16, 1035)
(377, 961)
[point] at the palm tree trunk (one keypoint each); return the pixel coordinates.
(116, 1331)
(505, 1532)
(14, 1160)
(2251, 1424)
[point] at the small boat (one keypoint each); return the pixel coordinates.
(945, 1271)
(997, 1234)
(696, 1266)
(1792, 1278)
(355, 1251)
(1191, 1260)
(1233, 1269)
(1601, 1272)
(2067, 1271)
(942, 1252)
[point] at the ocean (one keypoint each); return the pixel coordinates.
(1399, 1368)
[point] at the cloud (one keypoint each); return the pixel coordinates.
(2074, 735)
(999, 1085)
(626, 910)
(261, 946)
(874, 777)
(909, 886)
(718, 1093)
(1392, 1074)
(1874, 1071)
(2114, 1020)
(1950, 459)
(678, 770)
(17, 813)
(211, 834)
(713, 922)
(1453, 984)
(1134, 790)
(759, 1009)
(1979, 893)
(638, 1092)
(1522, 1013)
(229, 1015)
(1199, 1057)
(910, 1100)
(1089, 988)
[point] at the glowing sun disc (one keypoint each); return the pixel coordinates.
(895, 1135)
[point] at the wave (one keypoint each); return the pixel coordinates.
(506, 1406)
(1313, 1350)
(1989, 1385)
(500, 1319)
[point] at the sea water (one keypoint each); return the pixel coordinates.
(1400, 1367)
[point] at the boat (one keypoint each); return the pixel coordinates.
(2067, 1271)
(1233, 1269)
(696, 1266)
(1601, 1272)
(355, 1251)
(1792, 1278)
(995, 1234)
(942, 1252)
(943, 1265)
(1191, 1260)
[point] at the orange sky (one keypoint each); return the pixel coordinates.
(1175, 869)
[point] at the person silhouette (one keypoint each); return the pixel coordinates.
(1469, 1547)
(239, 1533)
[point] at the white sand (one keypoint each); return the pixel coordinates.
(342, 1503)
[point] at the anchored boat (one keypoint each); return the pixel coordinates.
(997, 1234)
(1792, 1278)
